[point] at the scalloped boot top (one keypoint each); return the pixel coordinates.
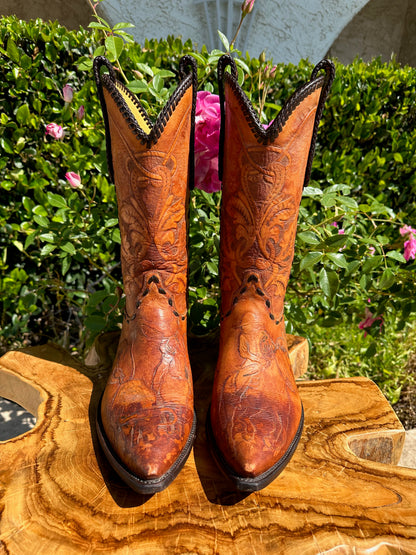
(146, 421)
(256, 415)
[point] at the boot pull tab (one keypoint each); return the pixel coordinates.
(223, 62)
(98, 63)
(329, 69)
(187, 65)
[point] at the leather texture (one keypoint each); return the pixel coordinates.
(256, 411)
(147, 407)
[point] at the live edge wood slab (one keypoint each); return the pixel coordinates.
(340, 494)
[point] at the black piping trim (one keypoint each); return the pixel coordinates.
(109, 81)
(267, 136)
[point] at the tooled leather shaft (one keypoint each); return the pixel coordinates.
(261, 197)
(152, 194)
(147, 407)
(256, 409)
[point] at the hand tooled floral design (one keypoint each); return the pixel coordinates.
(256, 219)
(152, 222)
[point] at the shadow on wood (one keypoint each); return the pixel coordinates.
(58, 494)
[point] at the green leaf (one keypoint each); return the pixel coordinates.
(396, 255)
(66, 264)
(111, 222)
(95, 323)
(328, 282)
(49, 237)
(12, 51)
(371, 351)
(165, 73)
(349, 202)
(224, 40)
(243, 65)
(144, 68)
(387, 279)
(100, 51)
(138, 86)
(336, 241)
(310, 259)
(47, 249)
(328, 200)
(114, 46)
(23, 114)
(338, 259)
(41, 220)
(123, 25)
(115, 236)
(398, 157)
(30, 239)
(309, 237)
(312, 192)
(6, 145)
(158, 83)
(56, 200)
(371, 263)
(212, 267)
(18, 245)
(69, 248)
(97, 25)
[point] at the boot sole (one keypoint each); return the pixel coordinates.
(141, 485)
(262, 480)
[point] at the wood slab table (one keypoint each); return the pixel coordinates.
(340, 494)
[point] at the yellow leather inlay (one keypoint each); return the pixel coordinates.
(134, 110)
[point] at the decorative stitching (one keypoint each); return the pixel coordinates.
(147, 139)
(254, 279)
(267, 136)
(109, 81)
(156, 280)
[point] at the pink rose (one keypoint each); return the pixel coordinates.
(267, 125)
(207, 136)
(247, 7)
(369, 320)
(410, 248)
(80, 113)
(68, 93)
(74, 179)
(405, 230)
(54, 130)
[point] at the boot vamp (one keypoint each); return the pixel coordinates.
(147, 406)
(256, 409)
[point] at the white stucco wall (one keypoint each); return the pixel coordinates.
(287, 31)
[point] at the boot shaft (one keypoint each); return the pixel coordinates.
(263, 173)
(150, 166)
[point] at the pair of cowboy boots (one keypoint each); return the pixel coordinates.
(146, 420)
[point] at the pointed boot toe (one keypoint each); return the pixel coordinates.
(253, 457)
(144, 460)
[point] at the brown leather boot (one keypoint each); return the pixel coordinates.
(146, 423)
(256, 414)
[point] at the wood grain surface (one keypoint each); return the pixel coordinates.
(59, 495)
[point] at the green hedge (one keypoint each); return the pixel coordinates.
(59, 247)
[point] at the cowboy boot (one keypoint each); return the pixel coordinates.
(146, 422)
(256, 415)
